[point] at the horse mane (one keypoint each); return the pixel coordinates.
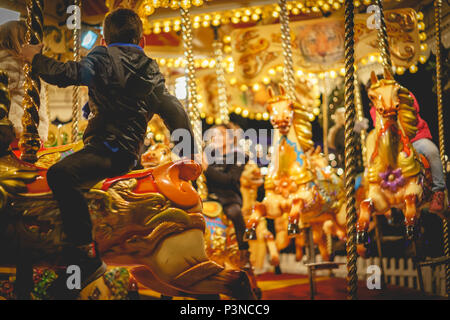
(407, 115)
(302, 126)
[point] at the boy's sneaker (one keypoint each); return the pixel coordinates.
(91, 268)
(438, 202)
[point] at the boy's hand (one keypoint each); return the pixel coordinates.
(30, 50)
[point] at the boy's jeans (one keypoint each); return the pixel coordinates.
(431, 152)
(67, 178)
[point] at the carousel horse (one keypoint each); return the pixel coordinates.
(220, 242)
(296, 197)
(251, 180)
(149, 221)
(398, 176)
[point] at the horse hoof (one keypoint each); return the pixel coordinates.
(362, 237)
(293, 229)
(250, 234)
(410, 232)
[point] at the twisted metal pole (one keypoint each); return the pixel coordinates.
(76, 89)
(350, 155)
(325, 116)
(47, 100)
(29, 142)
(289, 77)
(383, 39)
(193, 110)
(438, 13)
(360, 115)
(221, 82)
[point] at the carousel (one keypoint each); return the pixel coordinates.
(336, 203)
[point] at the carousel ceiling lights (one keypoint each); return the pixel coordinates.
(271, 13)
(149, 6)
(236, 16)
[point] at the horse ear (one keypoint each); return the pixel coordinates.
(282, 90)
(387, 74)
(373, 78)
(318, 150)
(271, 93)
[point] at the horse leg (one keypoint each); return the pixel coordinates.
(294, 217)
(362, 226)
(271, 246)
(321, 241)
(299, 244)
(281, 235)
(390, 219)
(411, 214)
(258, 211)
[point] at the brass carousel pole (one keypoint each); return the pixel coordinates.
(221, 81)
(350, 156)
(360, 115)
(193, 110)
(325, 116)
(438, 10)
(76, 89)
(47, 100)
(289, 77)
(30, 142)
(383, 39)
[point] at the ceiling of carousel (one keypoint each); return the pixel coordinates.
(250, 34)
(162, 43)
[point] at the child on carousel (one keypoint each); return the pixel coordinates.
(126, 88)
(423, 144)
(223, 169)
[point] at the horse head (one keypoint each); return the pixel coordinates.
(396, 121)
(157, 154)
(384, 94)
(281, 110)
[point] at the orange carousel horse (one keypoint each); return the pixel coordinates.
(251, 180)
(397, 176)
(297, 194)
(149, 221)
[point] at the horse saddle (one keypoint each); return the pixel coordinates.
(171, 179)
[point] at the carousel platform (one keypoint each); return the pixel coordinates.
(296, 287)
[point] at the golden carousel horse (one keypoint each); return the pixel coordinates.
(398, 177)
(251, 180)
(296, 196)
(221, 245)
(149, 221)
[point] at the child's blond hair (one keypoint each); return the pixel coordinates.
(12, 36)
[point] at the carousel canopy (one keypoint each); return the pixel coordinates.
(251, 41)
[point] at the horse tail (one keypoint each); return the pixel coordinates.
(303, 127)
(407, 114)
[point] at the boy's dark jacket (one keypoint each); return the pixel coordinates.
(223, 180)
(126, 88)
